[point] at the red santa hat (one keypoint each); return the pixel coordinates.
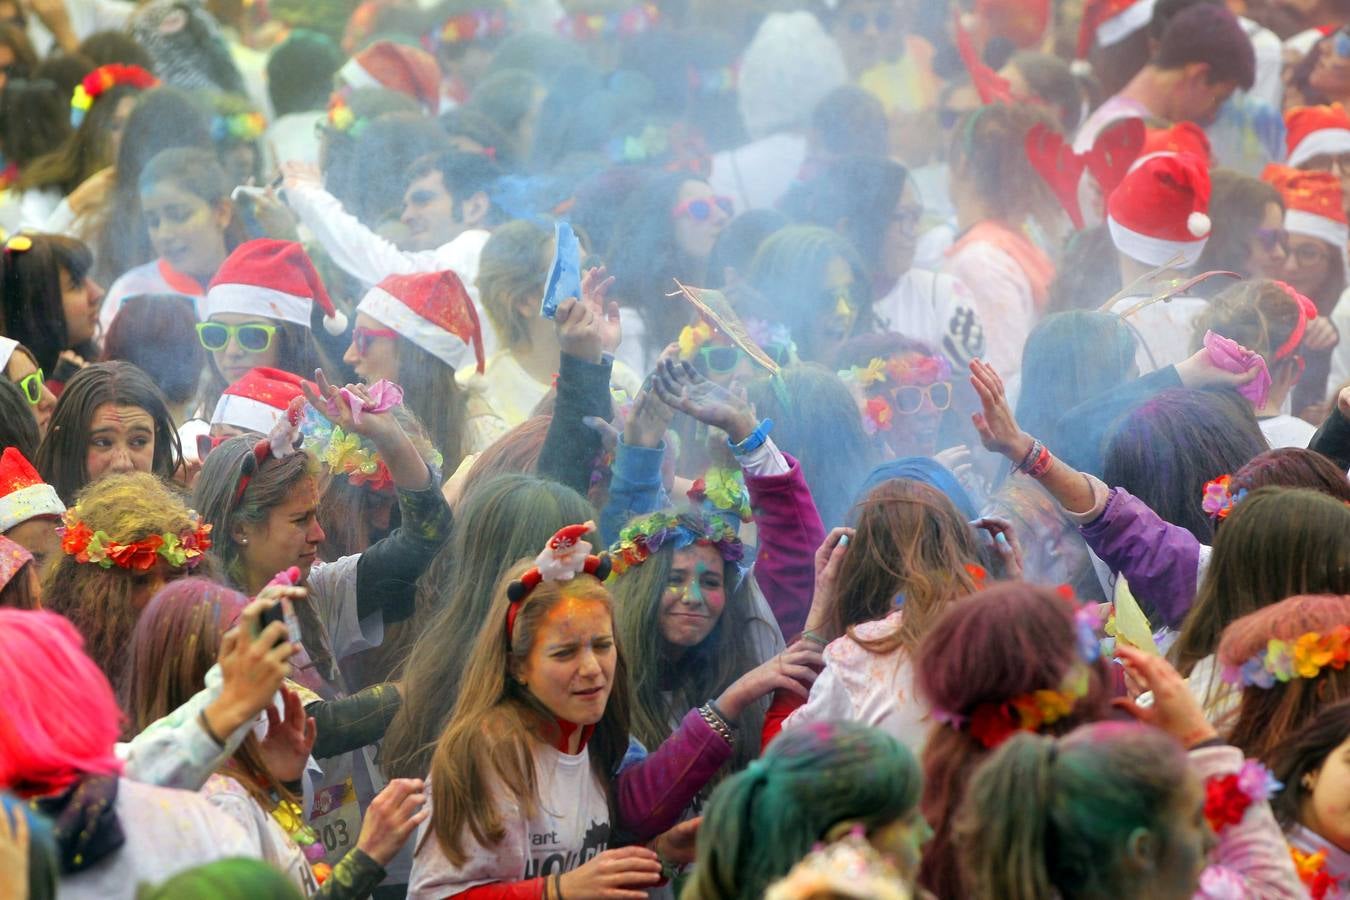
(1316, 131)
(1023, 22)
(1313, 205)
(275, 279)
(23, 493)
(256, 401)
(1183, 137)
(399, 68)
(1161, 209)
(1107, 22)
(433, 310)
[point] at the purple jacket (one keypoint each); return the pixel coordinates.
(1160, 560)
(652, 795)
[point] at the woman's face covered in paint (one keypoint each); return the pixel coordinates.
(695, 596)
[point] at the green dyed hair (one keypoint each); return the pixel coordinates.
(226, 879)
(664, 691)
(761, 822)
(1048, 817)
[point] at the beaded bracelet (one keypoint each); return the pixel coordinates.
(814, 638)
(1032, 452)
(717, 723)
(1042, 464)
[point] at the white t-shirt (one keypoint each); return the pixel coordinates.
(1164, 330)
(570, 828)
(875, 689)
(166, 832)
(757, 175)
(273, 845)
(1287, 431)
(936, 309)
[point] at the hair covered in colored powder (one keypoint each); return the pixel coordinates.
(44, 745)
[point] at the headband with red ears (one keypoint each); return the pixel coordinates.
(283, 440)
(564, 557)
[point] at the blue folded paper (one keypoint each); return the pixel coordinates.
(564, 276)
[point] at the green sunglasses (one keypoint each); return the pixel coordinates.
(722, 359)
(252, 337)
(31, 385)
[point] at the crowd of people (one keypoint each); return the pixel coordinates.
(605, 450)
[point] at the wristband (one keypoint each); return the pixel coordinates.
(814, 638)
(1042, 464)
(754, 441)
(1032, 452)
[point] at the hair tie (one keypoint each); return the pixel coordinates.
(564, 557)
(19, 243)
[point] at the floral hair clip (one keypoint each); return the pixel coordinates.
(244, 126)
(1312, 871)
(100, 81)
(1228, 797)
(184, 549)
(1219, 498)
(564, 557)
(651, 533)
(993, 723)
(1304, 657)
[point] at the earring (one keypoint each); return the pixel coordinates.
(243, 541)
(1308, 781)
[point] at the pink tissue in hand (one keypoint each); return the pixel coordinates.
(384, 395)
(286, 577)
(1227, 354)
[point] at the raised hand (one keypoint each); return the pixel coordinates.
(829, 560)
(996, 424)
(357, 408)
(580, 330)
(622, 874)
(392, 818)
(1007, 546)
(648, 419)
(792, 670)
(1175, 709)
(681, 387)
(252, 666)
(595, 285)
(285, 750)
(1197, 371)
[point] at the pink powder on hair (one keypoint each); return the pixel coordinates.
(58, 716)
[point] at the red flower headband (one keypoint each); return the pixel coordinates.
(565, 556)
(103, 79)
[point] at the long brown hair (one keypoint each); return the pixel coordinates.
(911, 541)
(1276, 543)
(430, 391)
(1268, 717)
(497, 724)
(176, 641)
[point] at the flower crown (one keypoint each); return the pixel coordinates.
(474, 25)
(1304, 657)
(1312, 871)
(693, 337)
(244, 126)
(341, 118)
(620, 23)
(654, 532)
(184, 549)
(993, 723)
(898, 371)
(350, 455)
(103, 79)
(1219, 498)
(564, 557)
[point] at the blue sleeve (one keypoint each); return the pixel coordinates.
(635, 488)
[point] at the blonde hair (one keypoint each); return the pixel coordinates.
(513, 267)
(497, 724)
(129, 507)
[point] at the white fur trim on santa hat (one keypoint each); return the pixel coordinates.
(391, 312)
(26, 503)
(1125, 23)
(1331, 141)
(356, 75)
(1296, 221)
(245, 412)
(7, 348)
(1153, 251)
(251, 300)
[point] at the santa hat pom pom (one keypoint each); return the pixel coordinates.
(335, 324)
(1198, 224)
(968, 22)
(1080, 68)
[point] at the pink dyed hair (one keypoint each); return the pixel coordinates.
(58, 716)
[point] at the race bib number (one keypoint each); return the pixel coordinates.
(336, 819)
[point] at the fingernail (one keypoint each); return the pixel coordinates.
(843, 541)
(1001, 538)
